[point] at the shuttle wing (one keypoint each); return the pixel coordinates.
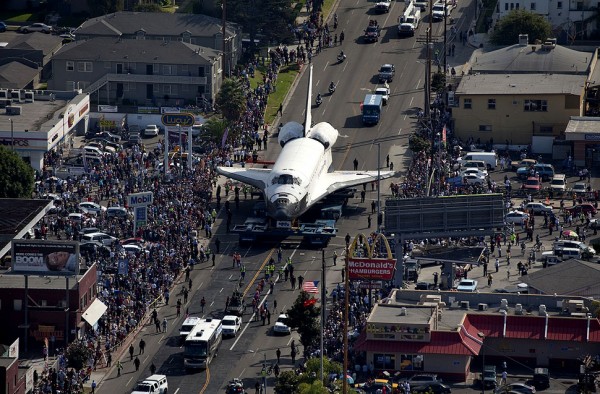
(337, 180)
(257, 177)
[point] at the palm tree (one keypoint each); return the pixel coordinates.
(215, 126)
(232, 99)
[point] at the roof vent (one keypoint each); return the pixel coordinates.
(403, 311)
(542, 310)
(464, 305)
(504, 304)
(519, 309)
(523, 39)
(482, 307)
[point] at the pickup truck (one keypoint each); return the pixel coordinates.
(440, 10)
(386, 73)
(383, 6)
(408, 25)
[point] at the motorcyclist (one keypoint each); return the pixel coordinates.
(331, 86)
(319, 99)
(341, 55)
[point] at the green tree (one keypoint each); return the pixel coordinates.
(438, 82)
(287, 383)
(518, 22)
(315, 387)
(102, 7)
(150, 7)
(418, 144)
(78, 354)
(215, 127)
(231, 99)
(16, 176)
(303, 316)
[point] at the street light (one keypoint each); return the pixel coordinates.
(12, 135)
(482, 336)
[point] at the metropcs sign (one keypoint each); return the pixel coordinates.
(140, 199)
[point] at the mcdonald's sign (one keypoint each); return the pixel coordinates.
(367, 261)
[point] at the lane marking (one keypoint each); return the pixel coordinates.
(203, 389)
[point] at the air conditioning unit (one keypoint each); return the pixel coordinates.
(29, 96)
(403, 311)
(464, 305)
(15, 95)
(518, 309)
(542, 310)
(4, 102)
(482, 307)
(504, 304)
(13, 110)
(4, 93)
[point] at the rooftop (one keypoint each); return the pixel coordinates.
(533, 84)
(400, 314)
(17, 216)
(144, 51)
(583, 124)
(153, 24)
(572, 277)
(517, 59)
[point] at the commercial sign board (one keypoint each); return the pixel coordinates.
(374, 269)
(39, 257)
(181, 119)
(140, 199)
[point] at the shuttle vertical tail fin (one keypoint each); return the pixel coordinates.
(308, 115)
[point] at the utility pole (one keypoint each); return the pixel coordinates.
(323, 308)
(225, 60)
(346, 322)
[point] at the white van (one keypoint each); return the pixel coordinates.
(570, 253)
(558, 183)
(490, 158)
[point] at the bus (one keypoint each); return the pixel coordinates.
(371, 109)
(202, 344)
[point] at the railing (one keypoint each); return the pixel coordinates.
(142, 78)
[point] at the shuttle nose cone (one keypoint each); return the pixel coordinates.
(282, 209)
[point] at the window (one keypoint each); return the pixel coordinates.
(156, 88)
(169, 69)
(580, 6)
(512, 6)
(467, 103)
(186, 37)
(384, 361)
(491, 103)
(184, 69)
(546, 129)
(505, 6)
(532, 6)
(17, 305)
(70, 65)
(85, 67)
(559, 5)
(516, 6)
(485, 127)
(536, 106)
(411, 362)
(170, 89)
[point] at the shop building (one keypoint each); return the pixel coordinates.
(37, 122)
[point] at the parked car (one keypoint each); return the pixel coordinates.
(515, 165)
(517, 387)
(516, 217)
(3, 27)
(469, 285)
(585, 208)
(473, 179)
(103, 238)
(151, 130)
(41, 27)
(91, 207)
(579, 188)
(281, 326)
(474, 171)
(422, 379)
(538, 208)
(541, 378)
(433, 388)
(116, 212)
(231, 325)
(532, 183)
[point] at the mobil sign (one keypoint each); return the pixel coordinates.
(140, 199)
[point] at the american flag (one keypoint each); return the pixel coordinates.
(311, 287)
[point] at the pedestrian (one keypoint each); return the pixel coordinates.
(387, 161)
(202, 304)
(131, 350)
(355, 164)
(369, 221)
(280, 110)
(335, 256)
(119, 368)
(142, 345)
(497, 264)
(164, 324)
(508, 274)
(157, 325)
(278, 354)
(490, 280)
(392, 166)
(300, 281)
(152, 369)
(136, 362)
(293, 355)
(274, 305)
(268, 312)
(93, 386)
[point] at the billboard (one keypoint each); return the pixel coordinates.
(381, 269)
(38, 257)
(140, 199)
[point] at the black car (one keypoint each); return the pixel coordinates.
(2, 27)
(433, 388)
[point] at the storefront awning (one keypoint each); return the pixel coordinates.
(94, 312)
(441, 343)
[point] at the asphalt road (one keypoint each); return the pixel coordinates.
(243, 356)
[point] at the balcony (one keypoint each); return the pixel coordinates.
(166, 79)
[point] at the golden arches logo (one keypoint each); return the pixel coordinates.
(361, 241)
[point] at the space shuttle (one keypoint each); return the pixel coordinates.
(303, 172)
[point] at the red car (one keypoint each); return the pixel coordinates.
(585, 208)
(532, 183)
